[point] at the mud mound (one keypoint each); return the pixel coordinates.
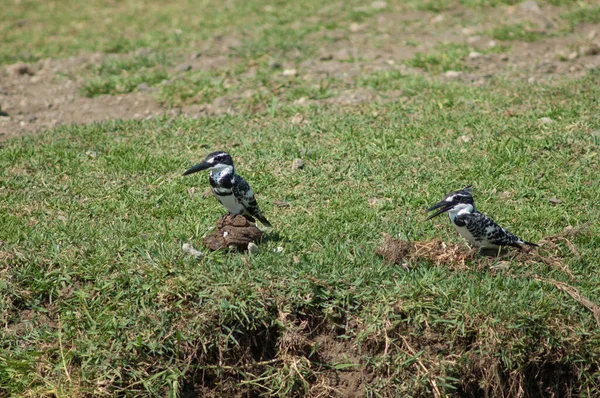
(233, 232)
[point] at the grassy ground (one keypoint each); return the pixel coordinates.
(99, 298)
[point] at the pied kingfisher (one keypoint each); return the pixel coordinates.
(477, 228)
(230, 189)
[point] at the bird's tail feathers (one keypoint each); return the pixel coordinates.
(264, 221)
(531, 244)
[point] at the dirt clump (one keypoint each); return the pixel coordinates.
(233, 232)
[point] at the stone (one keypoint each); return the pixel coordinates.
(530, 5)
(253, 248)
(189, 249)
(20, 69)
(452, 74)
(297, 119)
(274, 65)
(184, 67)
(297, 164)
(379, 5)
(290, 72)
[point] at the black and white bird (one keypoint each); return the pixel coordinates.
(230, 189)
(477, 228)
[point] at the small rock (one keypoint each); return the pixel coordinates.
(501, 266)
(492, 43)
(572, 55)
(20, 69)
(530, 5)
(280, 203)
(297, 119)
(554, 201)
(531, 80)
(379, 5)
(300, 101)
(279, 249)
(22, 123)
(189, 249)
(357, 27)
(290, 72)
(475, 55)
(473, 39)
(594, 49)
(274, 65)
(184, 67)
(297, 164)
(546, 120)
(220, 102)
(464, 138)
(452, 74)
(196, 55)
(143, 87)
(438, 18)
(253, 248)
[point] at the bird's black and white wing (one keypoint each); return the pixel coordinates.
(486, 232)
(244, 194)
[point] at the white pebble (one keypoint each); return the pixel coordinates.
(189, 249)
(252, 247)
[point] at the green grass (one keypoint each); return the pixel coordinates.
(32, 30)
(583, 14)
(99, 298)
(446, 57)
(123, 75)
(521, 32)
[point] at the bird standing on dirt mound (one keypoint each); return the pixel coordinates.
(477, 228)
(230, 189)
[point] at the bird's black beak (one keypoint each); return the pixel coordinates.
(443, 206)
(198, 167)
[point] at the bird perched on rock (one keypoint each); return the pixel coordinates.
(230, 189)
(477, 228)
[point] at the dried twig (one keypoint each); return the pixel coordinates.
(574, 293)
(434, 386)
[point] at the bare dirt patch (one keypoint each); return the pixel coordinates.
(41, 99)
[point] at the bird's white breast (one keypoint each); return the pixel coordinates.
(231, 204)
(464, 232)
